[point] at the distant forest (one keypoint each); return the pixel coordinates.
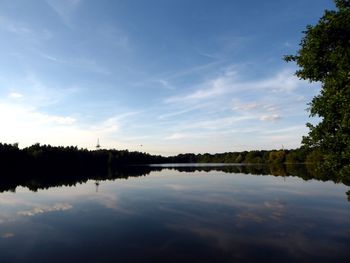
(45, 156)
(44, 166)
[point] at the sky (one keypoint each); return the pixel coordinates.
(158, 76)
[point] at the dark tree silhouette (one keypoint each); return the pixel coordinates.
(324, 56)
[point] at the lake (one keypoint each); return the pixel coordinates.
(182, 213)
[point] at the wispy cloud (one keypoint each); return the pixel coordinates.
(81, 63)
(33, 91)
(263, 99)
(112, 124)
(27, 116)
(7, 235)
(165, 84)
(217, 123)
(272, 117)
(18, 29)
(208, 90)
(233, 109)
(193, 70)
(44, 209)
(26, 122)
(239, 106)
(66, 79)
(15, 95)
(89, 64)
(65, 9)
(169, 79)
(176, 136)
(24, 30)
(28, 125)
(284, 81)
(52, 58)
(229, 83)
(114, 37)
(182, 111)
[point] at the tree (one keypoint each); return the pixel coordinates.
(276, 157)
(324, 56)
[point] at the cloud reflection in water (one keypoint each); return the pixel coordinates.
(179, 217)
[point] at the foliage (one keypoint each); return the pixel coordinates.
(277, 156)
(324, 56)
(297, 155)
(254, 157)
(315, 157)
(50, 157)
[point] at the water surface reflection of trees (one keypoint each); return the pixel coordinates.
(40, 178)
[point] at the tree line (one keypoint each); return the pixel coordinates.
(34, 180)
(55, 157)
(294, 156)
(43, 166)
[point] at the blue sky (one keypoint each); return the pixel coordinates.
(171, 75)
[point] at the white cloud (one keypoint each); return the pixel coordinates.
(265, 99)
(236, 110)
(208, 90)
(109, 125)
(56, 119)
(256, 107)
(216, 87)
(26, 116)
(272, 117)
(229, 83)
(283, 81)
(246, 106)
(44, 209)
(31, 91)
(28, 125)
(10, 114)
(223, 112)
(177, 136)
(15, 95)
(7, 235)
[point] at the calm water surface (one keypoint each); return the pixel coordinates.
(178, 216)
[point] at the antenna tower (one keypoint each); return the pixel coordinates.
(98, 146)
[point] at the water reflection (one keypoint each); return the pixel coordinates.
(177, 214)
(35, 180)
